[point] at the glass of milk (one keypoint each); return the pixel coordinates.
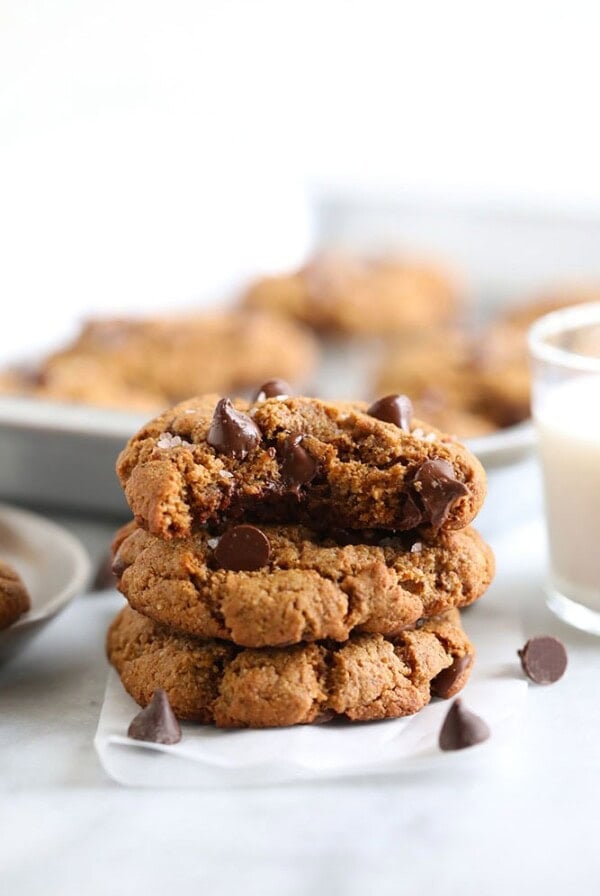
(565, 353)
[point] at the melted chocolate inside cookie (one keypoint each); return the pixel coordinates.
(297, 465)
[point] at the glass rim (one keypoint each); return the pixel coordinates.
(564, 320)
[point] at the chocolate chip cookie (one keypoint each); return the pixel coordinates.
(472, 383)
(339, 294)
(440, 371)
(14, 597)
(367, 677)
(466, 384)
(282, 584)
(209, 460)
(508, 380)
(148, 364)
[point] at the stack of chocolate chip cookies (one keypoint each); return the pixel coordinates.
(294, 560)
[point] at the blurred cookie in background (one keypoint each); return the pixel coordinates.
(439, 370)
(472, 383)
(503, 374)
(505, 358)
(469, 384)
(338, 294)
(147, 364)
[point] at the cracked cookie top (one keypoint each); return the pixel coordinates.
(367, 677)
(282, 584)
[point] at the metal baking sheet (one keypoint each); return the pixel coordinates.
(506, 252)
(63, 455)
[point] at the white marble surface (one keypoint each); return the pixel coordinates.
(518, 820)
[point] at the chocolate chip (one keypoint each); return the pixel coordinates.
(410, 514)
(438, 489)
(105, 577)
(323, 717)
(544, 659)
(232, 432)
(443, 684)
(297, 466)
(118, 565)
(273, 389)
(462, 728)
(243, 548)
(396, 409)
(157, 722)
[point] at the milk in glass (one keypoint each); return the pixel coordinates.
(567, 419)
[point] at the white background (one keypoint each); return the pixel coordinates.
(156, 153)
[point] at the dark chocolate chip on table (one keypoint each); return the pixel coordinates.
(439, 489)
(272, 389)
(396, 409)
(297, 466)
(232, 432)
(243, 547)
(443, 684)
(544, 659)
(157, 722)
(462, 728)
